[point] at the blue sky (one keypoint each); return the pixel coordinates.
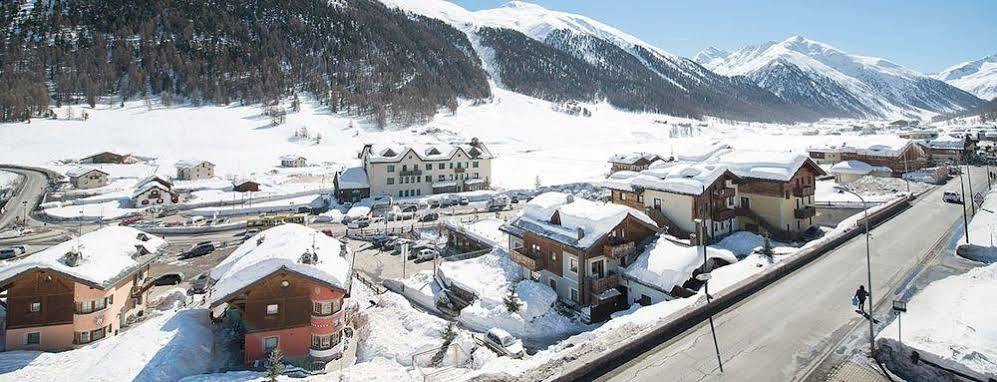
(922, 35)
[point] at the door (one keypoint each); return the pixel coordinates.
(598, 269)
(745, 202)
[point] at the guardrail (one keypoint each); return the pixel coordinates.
(590, 368)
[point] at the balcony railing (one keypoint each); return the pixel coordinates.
(601, 284)
(459, 170)
(801, 191)
(618, 250)
(415, 172)
(723, 214)
(805, 212)
(531, 262)
(725, 193)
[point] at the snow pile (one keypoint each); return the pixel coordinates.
(7, 179)
(536, 298)
(982, 233)
(952, 322)
(667, 264)
(488, 276)
(104, 254)
(167, 347)
(358, 212)
(742, 243)
(111, 210)
(330, 216)
(281, 247)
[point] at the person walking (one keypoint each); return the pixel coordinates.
(860, 295)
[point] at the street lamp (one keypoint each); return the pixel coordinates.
(704, 276)
(868, 265)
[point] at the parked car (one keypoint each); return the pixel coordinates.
(7, 253)
(463, 201)
(951, 197)
(131, 220)
(504, 343)
(20, 249)
(169, 279)
(200, 285)
(498, 203)
(395, 243)
(360, 222)
(410, 208)
(435, 203)
(378, 242)
(327, 232)
(514, 199)
(251, 232)
(432, 216)
(198, 250)
(425, 254)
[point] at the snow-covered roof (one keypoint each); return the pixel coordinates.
(106, 255)
(281, 247)
(768, 165)
(667, 264)
(395, 153)
(154, 178)
(631, 158)
(853, 167)
(290, 158)
(188, 163)
(353, 178)
(680, 177)
(889, 146)
(149, 186)
(699, 153)
(594, 219)
(80, 171)
(484, 230)
(946, 142)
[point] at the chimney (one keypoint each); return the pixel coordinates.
(581, 233)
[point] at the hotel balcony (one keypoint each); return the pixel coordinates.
(531, 262)
(802, 191)
(459, 170)
(805, 212)
(723, 214)
(415, 172)
(601, 284)
(324, 353)
(618, 250)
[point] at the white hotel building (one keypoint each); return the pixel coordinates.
(407, 171)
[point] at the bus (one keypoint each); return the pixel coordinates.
(266, 222)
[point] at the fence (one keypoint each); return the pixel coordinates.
(378, 289)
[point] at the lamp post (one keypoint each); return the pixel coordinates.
(704, 276)
(965, 219)
(868, 266)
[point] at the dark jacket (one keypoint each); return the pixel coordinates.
(861, 294)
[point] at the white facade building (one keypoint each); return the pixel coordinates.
(409, 171)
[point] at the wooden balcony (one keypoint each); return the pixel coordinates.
(618, 250)
(414, 172)
(805, 212)
(601, 284)
(723, 214)
(531, 262)
(801, 191)
(459, 170)
(724, 193)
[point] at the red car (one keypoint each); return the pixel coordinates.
(131, 220)
(327, 232)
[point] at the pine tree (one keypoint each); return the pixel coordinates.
(767, 248)
(511, 300)
(276, 365)
(537, 184)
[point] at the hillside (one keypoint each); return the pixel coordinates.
(357, 56)
(978, 77)
(834, 83)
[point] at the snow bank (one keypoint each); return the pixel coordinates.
(982, 233)
(742, 243)
(281, 247)
(105, 253)
(667, 264)
(167, 347)
(536, 298)
(111, 210)
(952, 321)
(7, 179)
(283, 205)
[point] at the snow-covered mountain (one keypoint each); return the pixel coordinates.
(819, 77)
(978, 77)
(561, 56)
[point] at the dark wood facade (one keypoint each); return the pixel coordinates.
(52, 291)
(293, 303)
(107, 157)
(246, 186)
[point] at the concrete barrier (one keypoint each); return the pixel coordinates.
(591, 367)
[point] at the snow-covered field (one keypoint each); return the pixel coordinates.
(530, 139)
(7, 179)
(953, 322)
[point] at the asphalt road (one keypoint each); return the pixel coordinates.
(781, 332)
(31, 192)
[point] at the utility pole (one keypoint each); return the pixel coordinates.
(704, 276)
(868, 267)
(969, 181)
(907, 182)
(965, 220)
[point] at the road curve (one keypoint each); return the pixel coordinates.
(27, 196)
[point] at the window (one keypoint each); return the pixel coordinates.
(441, 166)
(623, 196)
(36, 307)
(270, 344)
(84, 337)
(442, 177)
(573, 264)
(574, 294)
(429, 178)
(429, 166)
(272, 309)
(33, 338)
(391, 168)
(475, 164)
(451, 165)
(391, 181)
(401, 193)
(475, 175)
(322, 308)
(404, 167)
(321, 342)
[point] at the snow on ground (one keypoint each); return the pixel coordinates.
(742, 243)
(982, 233)
(282, 205)
(952, 321)
(529, 138)
(490, 277)
(7, 179)
(166, 347)
(873, 188)
(96, 211)
(666, 264)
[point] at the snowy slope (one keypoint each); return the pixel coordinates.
(978, 77)
(623, 58)
(817, 75)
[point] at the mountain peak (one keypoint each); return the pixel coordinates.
(709, 54)
(522, 5)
